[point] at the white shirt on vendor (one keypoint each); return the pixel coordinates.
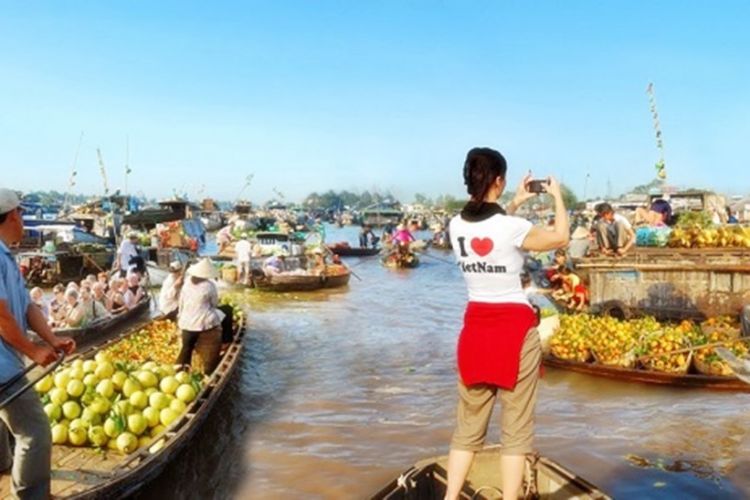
(622, 220)
(169, 295)
(243, 250)
(198, 302)
(127, 251)
(490, 257)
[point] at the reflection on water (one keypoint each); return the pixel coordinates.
(340, 390)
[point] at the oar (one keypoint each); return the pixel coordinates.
(693, 348)
(444, 261)
(330, 252)
(740, 367)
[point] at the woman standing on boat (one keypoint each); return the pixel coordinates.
(499, 347)
(198, 317)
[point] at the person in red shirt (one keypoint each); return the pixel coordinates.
(499, 351)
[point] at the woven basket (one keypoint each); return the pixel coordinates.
(716, 368)
(229, 274)
(651, 364)
(625, 361)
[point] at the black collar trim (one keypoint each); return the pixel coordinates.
(473, 212)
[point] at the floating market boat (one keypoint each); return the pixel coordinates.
(544, 479)
(344, 250)
(409, 262)
(101, 327)
(48, 268)
(301, 282)
(88, 473)
(690, 380)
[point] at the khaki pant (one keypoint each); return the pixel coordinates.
(26, 420)
(611, 236)
(206, 343)
(476, 403)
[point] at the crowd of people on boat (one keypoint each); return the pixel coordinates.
(96, 297)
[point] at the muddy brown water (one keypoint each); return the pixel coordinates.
(339, 391)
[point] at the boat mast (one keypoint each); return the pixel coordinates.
(127, 163)
(103, 171)
(661, 167)
(73, 173)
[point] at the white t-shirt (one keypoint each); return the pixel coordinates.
(490, 256)
(623, 220)
(242, 250)
(127, 251)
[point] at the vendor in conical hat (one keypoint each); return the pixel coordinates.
(199, 317)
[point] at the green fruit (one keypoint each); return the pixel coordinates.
(127, 442)
(167, 416)
(102, 357)
(89, 366)
(90, 417)
(137, 424)
(149, 365)
(77, 373)
(105, 388)
(78, 423)
(78, 363)
(124, 407)
(182, 377)
(152, 416)
(44, 385)
(75, 388)
(59, 434)
(104, 370)
(71, 410)
(158, 401)
(185, 393)
(90, 380)
(61, 379)
(178, 406)
(147, 378)
(119, 379)
(157, 430)
(97, 436)
(53, 411)
(169, 385)
(111, 428)
(139, 400)
(100, 405)
(130, 386)
(77, 436)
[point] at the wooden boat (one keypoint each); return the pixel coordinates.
(347, 251)
(544, 479)
(101, 327)
(87, 473)
(299, 282)
(401, 263)
(691, 380)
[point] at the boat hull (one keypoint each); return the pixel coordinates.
(353, 251)
(95, 332)
(688, 380)
(300, 283)
(544, 478)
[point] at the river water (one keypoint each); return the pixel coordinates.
(340, 390)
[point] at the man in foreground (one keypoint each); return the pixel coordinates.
(24, 417)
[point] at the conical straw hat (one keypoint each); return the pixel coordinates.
(203, 269)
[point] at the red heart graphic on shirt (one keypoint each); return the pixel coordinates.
(481, 246)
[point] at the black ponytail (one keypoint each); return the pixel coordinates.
(481, 168)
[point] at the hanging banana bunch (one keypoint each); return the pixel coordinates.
(661, 167)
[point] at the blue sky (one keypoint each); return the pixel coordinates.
(362, 95)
